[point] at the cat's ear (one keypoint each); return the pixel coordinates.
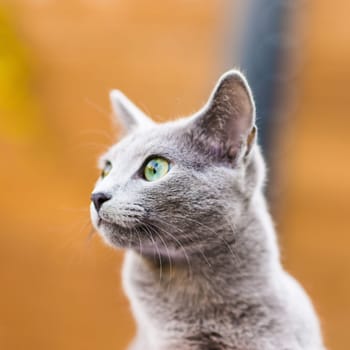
(226, 124)
(128, 113)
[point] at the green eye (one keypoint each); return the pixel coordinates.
(107, 169)
(156, 168)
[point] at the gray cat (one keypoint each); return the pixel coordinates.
(185, 199)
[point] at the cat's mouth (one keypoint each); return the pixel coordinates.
(125, 227)
(143, 238)
(134, 234)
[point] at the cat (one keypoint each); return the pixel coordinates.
(185, 199)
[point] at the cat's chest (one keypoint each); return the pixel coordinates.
(174, 316)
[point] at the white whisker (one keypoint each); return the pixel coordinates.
(180, 245)
(159, 256)
(227, 245)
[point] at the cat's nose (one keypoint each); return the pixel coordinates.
(99, 198)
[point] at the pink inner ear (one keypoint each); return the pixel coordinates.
(229, 117)
(233, 102)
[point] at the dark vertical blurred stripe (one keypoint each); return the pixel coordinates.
(264, 46)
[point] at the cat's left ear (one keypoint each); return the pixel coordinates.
(226, 124)
(129, 114)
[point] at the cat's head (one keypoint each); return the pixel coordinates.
(180, 187)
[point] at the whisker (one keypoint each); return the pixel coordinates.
(180, 245)
(159, 256)
(168, 253)
(140, 243)
(227, 245)
(187, 237)
(98, 108)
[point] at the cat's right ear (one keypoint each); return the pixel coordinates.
(128, 113)
(225, 127)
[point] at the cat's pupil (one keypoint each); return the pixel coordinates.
(155, 168)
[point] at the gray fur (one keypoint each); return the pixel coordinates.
(202, 267)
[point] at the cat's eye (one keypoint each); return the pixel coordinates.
(156, 168)
(106, 169)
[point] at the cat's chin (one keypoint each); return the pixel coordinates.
(115, 235)
(135, 239)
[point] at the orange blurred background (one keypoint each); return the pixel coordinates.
(60, 286)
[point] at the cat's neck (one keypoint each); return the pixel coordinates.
(249, 260)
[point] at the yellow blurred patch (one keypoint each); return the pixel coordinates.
(18, 110)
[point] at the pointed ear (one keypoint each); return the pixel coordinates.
(226, 124)
(129, 114)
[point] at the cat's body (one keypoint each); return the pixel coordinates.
(202, 269)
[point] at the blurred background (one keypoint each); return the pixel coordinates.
(60, 286)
